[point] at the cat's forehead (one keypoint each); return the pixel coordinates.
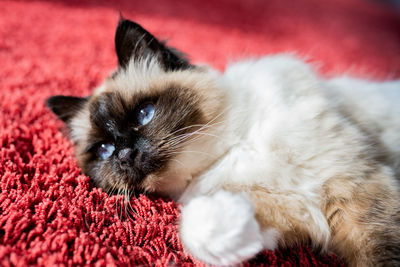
(147, 76)
(138, 77)
(145, 80)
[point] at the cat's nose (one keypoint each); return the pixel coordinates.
(127, 156)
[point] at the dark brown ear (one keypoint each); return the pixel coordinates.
(65, 107)
(134, 42)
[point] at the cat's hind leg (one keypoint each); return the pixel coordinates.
(364, 217)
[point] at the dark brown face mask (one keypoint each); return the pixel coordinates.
(132, 138)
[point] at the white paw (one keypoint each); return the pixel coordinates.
(220, 229)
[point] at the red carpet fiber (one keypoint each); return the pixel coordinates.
(50, 214)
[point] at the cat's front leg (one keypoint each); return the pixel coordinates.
(222, 229)
(230, 227)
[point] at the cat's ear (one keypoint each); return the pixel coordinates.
(65, 107)
(134, 42)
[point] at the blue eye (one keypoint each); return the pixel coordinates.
(105, 150)
(145, 113)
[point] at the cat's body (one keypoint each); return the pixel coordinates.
(305, 152)
(267, 154)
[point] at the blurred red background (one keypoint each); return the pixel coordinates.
(49, 212)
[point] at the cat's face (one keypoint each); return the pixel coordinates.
(147, 127)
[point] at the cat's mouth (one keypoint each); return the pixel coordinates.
(132, 176)
(134, 173)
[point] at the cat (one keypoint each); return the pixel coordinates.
(267, 154)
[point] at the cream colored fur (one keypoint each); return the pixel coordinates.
(283, 131)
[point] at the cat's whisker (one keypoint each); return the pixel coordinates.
(116, 203)
(123, 206)
(128, 198)
(202, 127)
(112, 190)
(175, 147)
(128, 207)
(119, 203)
(187, 140)
(209, 124)
(177, 161)
(183, 137)
(191, 151)
(182, 129)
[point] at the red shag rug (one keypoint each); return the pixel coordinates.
(50, 214)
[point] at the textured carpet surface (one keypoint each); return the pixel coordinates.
(49, 212)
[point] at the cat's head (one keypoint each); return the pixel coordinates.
(149, 126)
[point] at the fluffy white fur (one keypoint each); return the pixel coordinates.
(279, 132)
(221, 229)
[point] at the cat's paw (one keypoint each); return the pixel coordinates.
(220, 229)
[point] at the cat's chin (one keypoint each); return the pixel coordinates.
(169, 184)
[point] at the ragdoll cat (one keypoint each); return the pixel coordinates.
(266, 155)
